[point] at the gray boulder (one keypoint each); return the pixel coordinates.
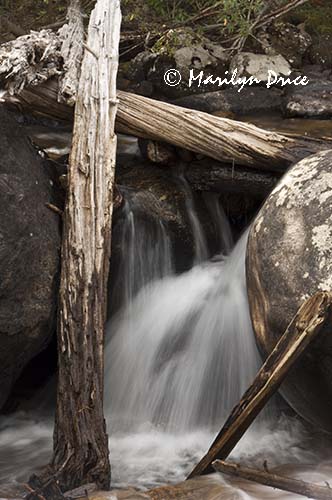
(289, 258)
(183, 50)
(258, 65)
(311, 101)
(292, 42)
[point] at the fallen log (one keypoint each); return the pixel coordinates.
(219, 138)
(289, 484)
(309, 321)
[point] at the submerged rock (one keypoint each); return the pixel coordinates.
(29, 253)
(288, 259)
(161, 196)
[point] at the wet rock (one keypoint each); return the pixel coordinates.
(292, 42)
(139, 67)
(258, 65)
(29, 253)
(250, 100)
(313, 100)
(288, 259)
(161, 194)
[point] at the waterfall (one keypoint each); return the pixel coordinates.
(146, 252)
(180, 352)
(183, 353)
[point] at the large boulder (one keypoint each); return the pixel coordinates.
(29, 253)
(289, 258)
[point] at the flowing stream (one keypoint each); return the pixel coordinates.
(180, 353)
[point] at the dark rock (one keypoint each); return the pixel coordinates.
(250, 100)
(313, 100)
(29, 253)
(320, 51)
(139, 67)
(289, 258)
(292, 42)
(161, 194)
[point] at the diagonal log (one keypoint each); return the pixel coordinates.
(309, 490)
(309, 321)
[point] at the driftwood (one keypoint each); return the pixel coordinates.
(219, 138)
(26, 71)
(44, 491)
(80, 440)
(289, 484)
(302, 330)
(72, 35)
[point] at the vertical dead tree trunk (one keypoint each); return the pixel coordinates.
(80, 438)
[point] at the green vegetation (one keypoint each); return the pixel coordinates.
(233, 16)
(317, 16)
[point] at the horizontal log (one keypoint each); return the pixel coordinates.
(216, 137)
(219, 138)
(288, 484)
(309, 321)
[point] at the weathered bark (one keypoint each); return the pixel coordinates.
(216, 137)
(80, 439)
(30, 60)
(219, 138)
(72, 35)
(289, 484)
(312, 316)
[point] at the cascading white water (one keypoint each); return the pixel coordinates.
(146, 253)
(183, 353)
(180, 353)
(201, 251)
